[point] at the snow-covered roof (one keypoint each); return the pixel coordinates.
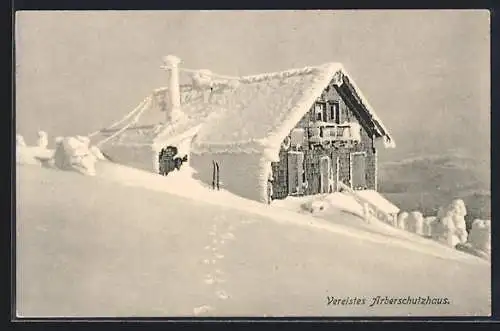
(264, 108)
(152, 126)
(250, 113)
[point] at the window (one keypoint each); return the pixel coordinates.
(325, 112)
(320, 110)
(335, 112)
(319, 116)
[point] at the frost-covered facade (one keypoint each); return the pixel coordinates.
(298, 132)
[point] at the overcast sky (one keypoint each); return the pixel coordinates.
(426, 73)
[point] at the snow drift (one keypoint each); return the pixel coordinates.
(106, 249)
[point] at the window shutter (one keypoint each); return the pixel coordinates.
(295, 171)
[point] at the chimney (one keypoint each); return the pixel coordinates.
(172, 65)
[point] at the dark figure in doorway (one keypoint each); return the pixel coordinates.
(166, 160)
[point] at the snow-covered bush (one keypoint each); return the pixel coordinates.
(33, 155)
(414, 222)
(480, 235)
(43, 140)
(428, 226)
(448, 235)
(459, 213)
(74, 154)
(437, 229)
(402, 218)
(449, 225)
(25, 155)
(20, 141)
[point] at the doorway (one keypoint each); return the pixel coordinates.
(325, 173)
(358, 170)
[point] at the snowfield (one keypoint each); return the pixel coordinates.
(131, 243)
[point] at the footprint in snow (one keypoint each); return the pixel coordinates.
(207, 261)
(219, 256)
(209, 280)
(222, 295)
(202, 309)
(228, 236)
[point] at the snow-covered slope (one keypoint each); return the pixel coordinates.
(130, 243)
(333, 208)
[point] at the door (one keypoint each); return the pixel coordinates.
(295, 172)
(325, 173)
(358, 170)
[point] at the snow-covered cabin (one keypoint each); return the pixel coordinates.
(306, 129)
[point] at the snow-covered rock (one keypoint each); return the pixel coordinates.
(74, 154)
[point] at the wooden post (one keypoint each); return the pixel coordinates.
(213, 175)
(217, 172)
(366, 212)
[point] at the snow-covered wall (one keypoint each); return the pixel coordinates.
(138, 156)
(239, 173)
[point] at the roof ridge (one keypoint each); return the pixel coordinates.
(288, 72)
(255, 78)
